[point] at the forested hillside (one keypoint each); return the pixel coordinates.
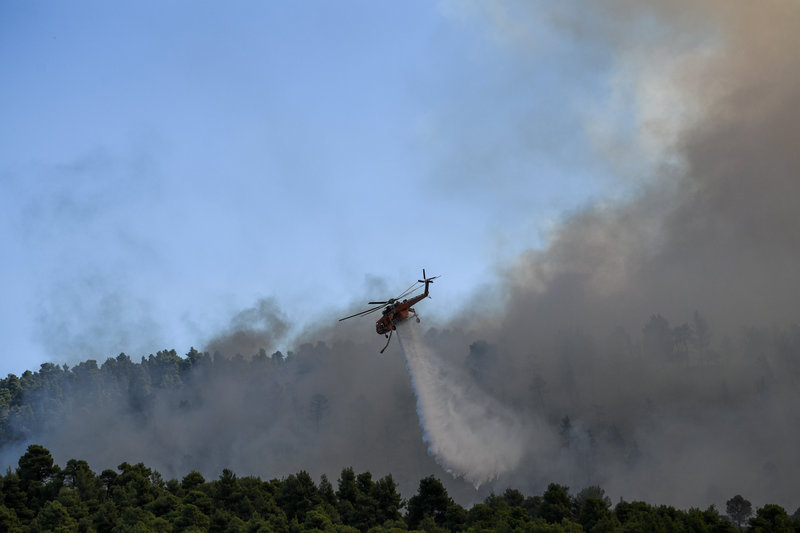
(41, 496)
(617, 411)
(270, 415)
(35, 401)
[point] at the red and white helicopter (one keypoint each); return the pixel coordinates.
(395, 310)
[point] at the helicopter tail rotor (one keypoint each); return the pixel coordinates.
(426, 279)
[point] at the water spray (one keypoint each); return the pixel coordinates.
(469, 433)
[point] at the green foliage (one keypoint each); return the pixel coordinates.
(40, 497)
(432, 508)
(326, 490)
(8, 520)
(192, 480)
(298, 495)
(36, 400)
(771, 519)
(556, 504)
(55, 517)
(38, 476)
(388, 500)
(360, 502)
(592, 512)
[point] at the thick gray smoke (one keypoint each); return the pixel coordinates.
(251, 330)
(652, 347)
(693, 410)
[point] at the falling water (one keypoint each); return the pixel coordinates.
(470, 434)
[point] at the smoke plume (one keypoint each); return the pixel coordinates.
(659, 334)
(652, 347)
(251, 330)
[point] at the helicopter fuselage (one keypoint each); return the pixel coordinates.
(396, 312)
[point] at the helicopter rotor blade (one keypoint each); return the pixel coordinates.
(406, 292)
(368, 311)
(410, 289)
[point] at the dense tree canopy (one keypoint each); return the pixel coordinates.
(34, 400)
(39, 496)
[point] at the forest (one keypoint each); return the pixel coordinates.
(161, 430)
(40, 496)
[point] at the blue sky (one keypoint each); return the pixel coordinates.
(165, 165)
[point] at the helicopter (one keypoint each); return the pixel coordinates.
(396, 311)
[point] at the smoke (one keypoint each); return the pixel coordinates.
(320, 408)
(94, 315)
(652, 347)
(251, 330)
(658, 334)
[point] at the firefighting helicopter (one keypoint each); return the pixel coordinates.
(396, 311)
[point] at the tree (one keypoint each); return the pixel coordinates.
(36, 465)
(136, 482)
(316, 520)
(657, 336)
(15, 499)
(37, 476)
(682, 337)
(222, 521)
(54, 517)
(326, 491)
(106, 516)
(481, 517)
(8, 520)
(190, 516)
(771, 519)
(738, 510)
(78, 476)
(431, 500)
(593, 510)
(640, 517)
(366, 506)
(347, 494)
(77, 507)
(592, 491)
(347, 486)
(226, 488)
(387, 498)
(556, 504)
(298, 495)
(320, 406)
(566, 432)
(191, 480)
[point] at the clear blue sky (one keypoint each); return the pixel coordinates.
(163, 165)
